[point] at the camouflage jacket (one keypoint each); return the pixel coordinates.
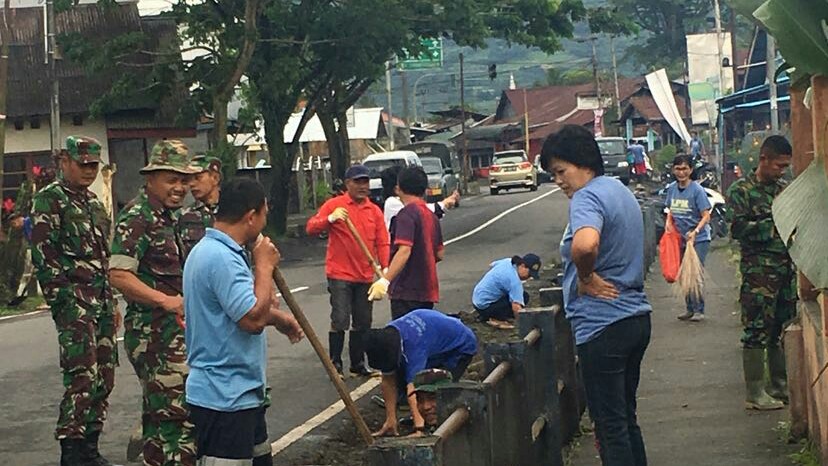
(193, 224)
(70, 246)
(146, 243)
(752, 219)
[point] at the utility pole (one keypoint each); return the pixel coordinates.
(717, 15)
(615, 77)
(526, 125)
(390, 112)
(54, 98)
(465, 180)
(404, 82)
(597, 82)
(771, 68)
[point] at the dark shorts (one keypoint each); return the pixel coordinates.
(237, 435)
(350, 307)
(401, 307)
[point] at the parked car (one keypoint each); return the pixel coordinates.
(376, 163)
(543, 175)
(441, 181)
(614, 152)
(512, 169)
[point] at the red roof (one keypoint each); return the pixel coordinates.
(646, 107)
(552, 107)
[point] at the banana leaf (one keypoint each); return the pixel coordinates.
(797, 26)
(800, 214)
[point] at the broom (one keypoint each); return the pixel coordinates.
(691, 275)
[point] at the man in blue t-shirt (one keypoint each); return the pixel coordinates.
(227, 307)
(421, 339)
(689, 215)
(499, 295)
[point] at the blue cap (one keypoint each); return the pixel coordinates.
(533, 263)
(356, 172)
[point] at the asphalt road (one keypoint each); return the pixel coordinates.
(30, 377)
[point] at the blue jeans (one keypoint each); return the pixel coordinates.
(611, 368)
(694, 304)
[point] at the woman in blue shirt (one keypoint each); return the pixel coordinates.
(690, 211)
(603, 288)
(499, 295)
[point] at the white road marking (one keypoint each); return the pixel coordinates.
(17, 316)
(334, 409)
(293, 290)
(498, 217)
(314, 422)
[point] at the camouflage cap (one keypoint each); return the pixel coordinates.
(205, 162)
(170, 155)
(83, 149)
(430, 380)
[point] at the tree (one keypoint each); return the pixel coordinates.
(666, 23)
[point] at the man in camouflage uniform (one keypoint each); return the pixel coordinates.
(147, 265)
(768, 293)
(70, 252)
(204, 186)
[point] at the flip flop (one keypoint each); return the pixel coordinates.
(499, 324)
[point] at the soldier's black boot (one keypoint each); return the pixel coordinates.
(91, 455)
(336, 342)
(71, 452)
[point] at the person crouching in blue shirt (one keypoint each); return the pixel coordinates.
(227, 307)
(603, 289)
(421, 339)
(499, 295)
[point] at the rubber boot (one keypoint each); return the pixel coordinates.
(356, 352)
(778, 375)
(135, 447)
(336, 341)
(71, 452)
(91, 455)
(753, 360)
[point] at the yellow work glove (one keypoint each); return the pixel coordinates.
(340, 214)
(378, 290)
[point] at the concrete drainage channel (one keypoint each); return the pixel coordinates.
(528, 405)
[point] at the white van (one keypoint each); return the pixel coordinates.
(376, 163)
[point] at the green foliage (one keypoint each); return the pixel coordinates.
(229, 155)
(664, 156)
(666, 23)
(808, 455)
(556, 77)
(797, 26)
(323, 193)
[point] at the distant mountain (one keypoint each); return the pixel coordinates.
(438, 89)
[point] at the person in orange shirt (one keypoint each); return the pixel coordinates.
(348, 270)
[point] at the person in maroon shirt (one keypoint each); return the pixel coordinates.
(348, 270)
(418, 246)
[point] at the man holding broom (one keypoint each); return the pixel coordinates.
(349, 271)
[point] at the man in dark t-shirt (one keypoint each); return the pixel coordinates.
(417, 247)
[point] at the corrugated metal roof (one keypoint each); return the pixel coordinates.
(29, 86)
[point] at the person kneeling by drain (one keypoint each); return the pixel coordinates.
(426, 384)
(422, 339)
(499, 295)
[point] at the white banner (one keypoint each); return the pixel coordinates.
(662, 92)
(703, 66)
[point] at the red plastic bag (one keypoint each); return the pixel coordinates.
(669, 254)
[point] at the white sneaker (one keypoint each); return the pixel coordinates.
(697, 317)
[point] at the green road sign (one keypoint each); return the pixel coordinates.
(431, 57)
